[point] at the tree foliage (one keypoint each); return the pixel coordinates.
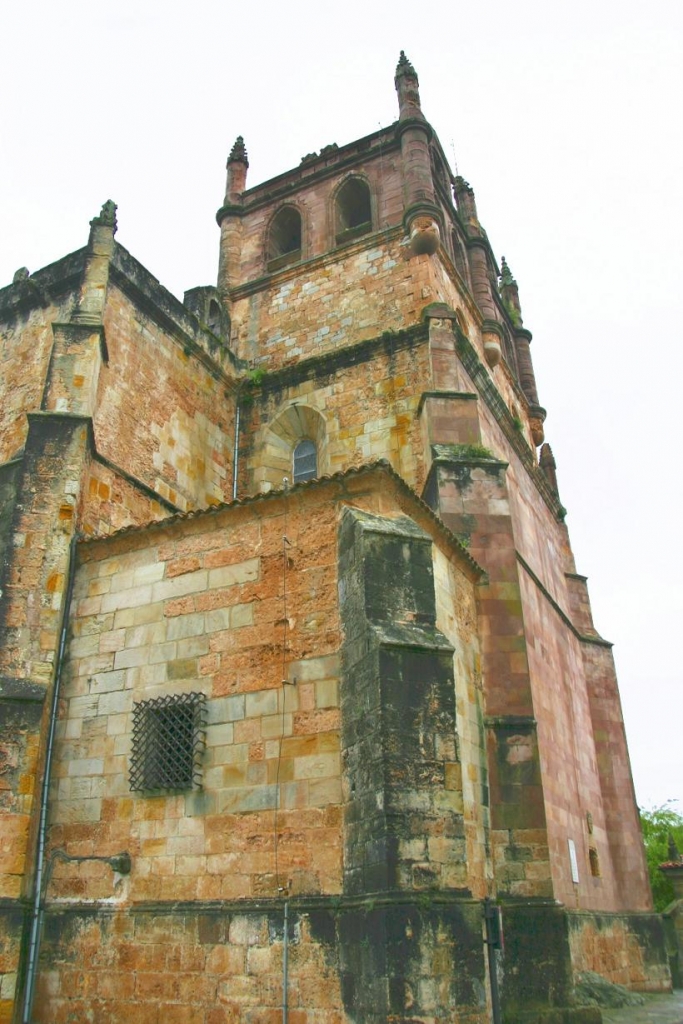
(660, 825)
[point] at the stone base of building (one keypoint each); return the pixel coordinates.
(561, 1015)
(547, 946)
(370, 959)
(626, 949)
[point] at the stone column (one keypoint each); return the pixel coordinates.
(410, 943)
(527, 380)
(229, 218)
(469, 493)
(34, 577)
(421, 216)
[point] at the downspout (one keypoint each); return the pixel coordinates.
(285, 965)
(38, 905)
(236, 450)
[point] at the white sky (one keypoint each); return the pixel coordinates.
(565, 118)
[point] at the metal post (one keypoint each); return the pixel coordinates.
(37, 911)
(236, 451)
(494, 941)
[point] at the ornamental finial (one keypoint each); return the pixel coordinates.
(505, 273)
(404, 67)
(106, 217)
(238, 153)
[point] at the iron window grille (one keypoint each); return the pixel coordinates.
(168, 742)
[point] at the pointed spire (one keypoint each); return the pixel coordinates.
(238, 153)
(506, 274)
(510, 294)
(404, 67)
(408, 89)
(237, 166)
(467, 205)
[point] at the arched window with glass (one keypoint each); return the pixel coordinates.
(305, 461)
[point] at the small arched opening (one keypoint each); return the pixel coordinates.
(594, 862)
(353, 210)
(509, 353)
(440, 175)
(213, 320)
(459, 258)
(284, 238)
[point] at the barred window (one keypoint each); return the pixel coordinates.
(168, 741)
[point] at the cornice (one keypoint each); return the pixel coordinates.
(489, 392)
(584, 638)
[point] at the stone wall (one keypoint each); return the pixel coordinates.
(370, 962)
(627, 949)
(9, 477)
(313, 191)
(161, 613)
(197, 603)
(358, 405)
(111, 500)
(188, 965)
(337, 299)
(540, 664)
(181, 446)
(27, 313)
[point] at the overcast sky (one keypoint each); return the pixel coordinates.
(565, 118)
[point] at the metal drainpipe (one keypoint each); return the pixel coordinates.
(38, 908)
(285, 965)
(236, 452)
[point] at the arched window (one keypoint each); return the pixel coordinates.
(294, 446)
(214, 317)
(305, 461)
(439, 173)
(509, 352)
(459, 257)
(284, 238)
(353, 211)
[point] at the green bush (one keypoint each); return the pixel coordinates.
(660, 826)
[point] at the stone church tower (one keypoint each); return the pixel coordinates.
(299, 684)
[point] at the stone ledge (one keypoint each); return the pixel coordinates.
(510, 721)
(417, 637)
(457, 395)
(583, 637)
(342, 358)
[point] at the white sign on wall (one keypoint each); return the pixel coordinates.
(573, 861)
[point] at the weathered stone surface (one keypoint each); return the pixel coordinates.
(408, 707)
(594, 990)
